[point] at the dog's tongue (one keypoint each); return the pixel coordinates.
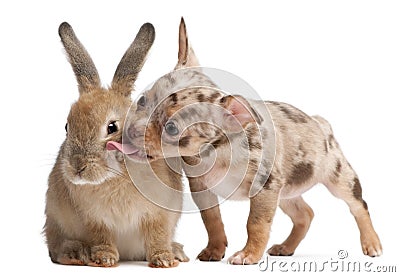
(124, 148)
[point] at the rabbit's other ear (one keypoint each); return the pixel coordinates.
(82, 64)
(186, 56)
(133, 60)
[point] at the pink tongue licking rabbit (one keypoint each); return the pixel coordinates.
(124, 148)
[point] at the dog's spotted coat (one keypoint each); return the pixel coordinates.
(284, 152)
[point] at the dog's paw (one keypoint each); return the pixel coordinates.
(104, 256)
(243, 258)
(371, 246)
(73, 252)
(163, 259)
(280, 250)
(212, 253)
(180, 255)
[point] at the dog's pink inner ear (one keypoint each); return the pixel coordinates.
(239, 111)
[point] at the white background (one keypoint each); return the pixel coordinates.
(339, 59)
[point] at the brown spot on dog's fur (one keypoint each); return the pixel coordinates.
(184, 141)
(365, 205)
(336, 172)
(223, 100)
(253, 161)
(174, 98)
(201, 97)
(254, 143)
(171, 110)
(357, 192)
(274, 103)
(153, 136)
(338, 167)
(269, 181)
(219, 141)
(214, 96)
(301, 172)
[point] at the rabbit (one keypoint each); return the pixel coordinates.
(267, 152)
(95, 215)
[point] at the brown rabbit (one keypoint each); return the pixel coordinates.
(94, 214)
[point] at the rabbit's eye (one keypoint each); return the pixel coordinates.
(66, 127)
(142, 101)
(112, 127)
(171, 128)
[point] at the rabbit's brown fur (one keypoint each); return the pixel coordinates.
(94, 213)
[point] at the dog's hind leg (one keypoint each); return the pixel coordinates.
(301, 215)
(344, 184)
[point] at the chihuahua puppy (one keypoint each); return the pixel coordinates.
(237, 148)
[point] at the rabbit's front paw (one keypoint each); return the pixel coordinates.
(163, 259)
(73, 252)
(180, 255)
(104, 256)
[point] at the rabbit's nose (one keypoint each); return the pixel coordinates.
(79, 164)
(81, 169)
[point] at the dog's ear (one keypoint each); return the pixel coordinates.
(238, 113)
(186, 56)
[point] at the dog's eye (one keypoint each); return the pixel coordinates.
(112, 127)
(171, 128)
(142, 101)
(66, 127)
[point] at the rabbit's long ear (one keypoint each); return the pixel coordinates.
(186, 56)
(82, 64)
(133, 60)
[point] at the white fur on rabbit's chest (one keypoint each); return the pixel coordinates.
(130, 244)
(125, 225)
(122, 213)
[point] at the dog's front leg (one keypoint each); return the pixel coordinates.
(207, 202)
(262, 210)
